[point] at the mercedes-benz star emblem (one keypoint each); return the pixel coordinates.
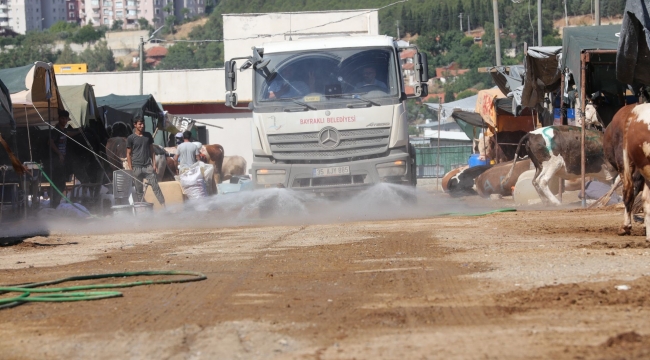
(329, 137)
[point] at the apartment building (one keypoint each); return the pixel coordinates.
(22, 16)
(106, 12)
(194, 8)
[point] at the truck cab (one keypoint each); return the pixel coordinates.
(329, 113)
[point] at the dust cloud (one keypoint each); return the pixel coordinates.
(261, 207)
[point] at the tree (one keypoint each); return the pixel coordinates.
(88, 34)
(143, 23)
(67, 56)
(179, 56)
(99, 58)
(117, 25)
(35, 46)
(169, 24)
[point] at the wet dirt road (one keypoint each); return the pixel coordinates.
(527, 284)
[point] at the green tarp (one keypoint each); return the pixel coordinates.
(80, 102)
(136, 105)
(6, 110)
(579, 38)
(14, 78)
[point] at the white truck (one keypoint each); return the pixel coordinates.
(329, 113)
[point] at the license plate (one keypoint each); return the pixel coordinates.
(331, 171)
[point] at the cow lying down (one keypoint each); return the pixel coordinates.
(555, 151)
(461, 182)
(490, 182)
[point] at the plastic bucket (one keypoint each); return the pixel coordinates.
(122, 210)
(141, 208)
(474, 160)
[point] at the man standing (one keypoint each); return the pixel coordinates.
(187, 153)
(140, 157)
(59, 169)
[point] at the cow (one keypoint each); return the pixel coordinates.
(214, 155)
(489, 182)
(636, 157)
(448, 176)
(463, 182)
(233, 166)
(555, 151)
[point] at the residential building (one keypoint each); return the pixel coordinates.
(22, 16)
(106, 12)
(194, 8)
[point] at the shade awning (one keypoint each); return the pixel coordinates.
(577, 39)
(80, 102)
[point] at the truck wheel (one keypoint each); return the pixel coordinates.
(414, 176)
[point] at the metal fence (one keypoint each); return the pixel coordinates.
(451, 157)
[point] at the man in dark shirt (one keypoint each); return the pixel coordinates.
(59, 168)
(140, 157)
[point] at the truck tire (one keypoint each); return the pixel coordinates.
(414, 176)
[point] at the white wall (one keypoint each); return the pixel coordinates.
(167, 86)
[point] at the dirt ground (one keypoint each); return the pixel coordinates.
(531, 284)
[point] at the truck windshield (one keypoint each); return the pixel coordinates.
(327, 76)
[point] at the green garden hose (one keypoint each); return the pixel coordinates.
(64, 294)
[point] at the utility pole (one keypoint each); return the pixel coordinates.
(566, 16)
(461, 21)
(497, 40)
(469, 29)
(141, 59)
(397, 24)
(597, 12)
(539, 22)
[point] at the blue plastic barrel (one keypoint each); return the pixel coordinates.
(474, 160)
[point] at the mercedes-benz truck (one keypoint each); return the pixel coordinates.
(329, 113)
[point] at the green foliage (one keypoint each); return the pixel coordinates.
(88, 34)
(144, 24)
(63, 29)
(117, 25)
(466, 93)
(170, 21)
(179, 56)
(99, 57)
(414, 130)
(34, 46)
(67, 56)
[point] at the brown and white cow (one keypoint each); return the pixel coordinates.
(489, 182)
(555, 151)
(636, 157)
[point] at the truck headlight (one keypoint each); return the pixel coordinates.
(270, 177)
(394, 168)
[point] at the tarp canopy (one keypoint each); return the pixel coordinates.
(633, 53)
(136, 105)
(6, 109)
(543, 74)
(485, 105)
(577, 39)
(80, 102)
(463, 112)
(31, 87)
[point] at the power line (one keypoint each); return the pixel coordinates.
(282, 33)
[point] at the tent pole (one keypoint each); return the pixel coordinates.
(438, 150)
(562, 107)
(49, 134)
(584, 58)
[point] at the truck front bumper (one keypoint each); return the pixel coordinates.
(394, 168)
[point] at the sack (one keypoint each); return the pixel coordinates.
(193, 184)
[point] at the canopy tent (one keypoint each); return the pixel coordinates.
(633, 46)
(136, 105)
(543, 73)
(80, 102)
(576, 40)
(144, 106)
(463, 112)
(6, 109)
(31, 87)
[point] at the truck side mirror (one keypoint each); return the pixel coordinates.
(424, 67)
(231, 76)
(231, 99)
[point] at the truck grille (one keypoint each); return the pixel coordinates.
(354, 143)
